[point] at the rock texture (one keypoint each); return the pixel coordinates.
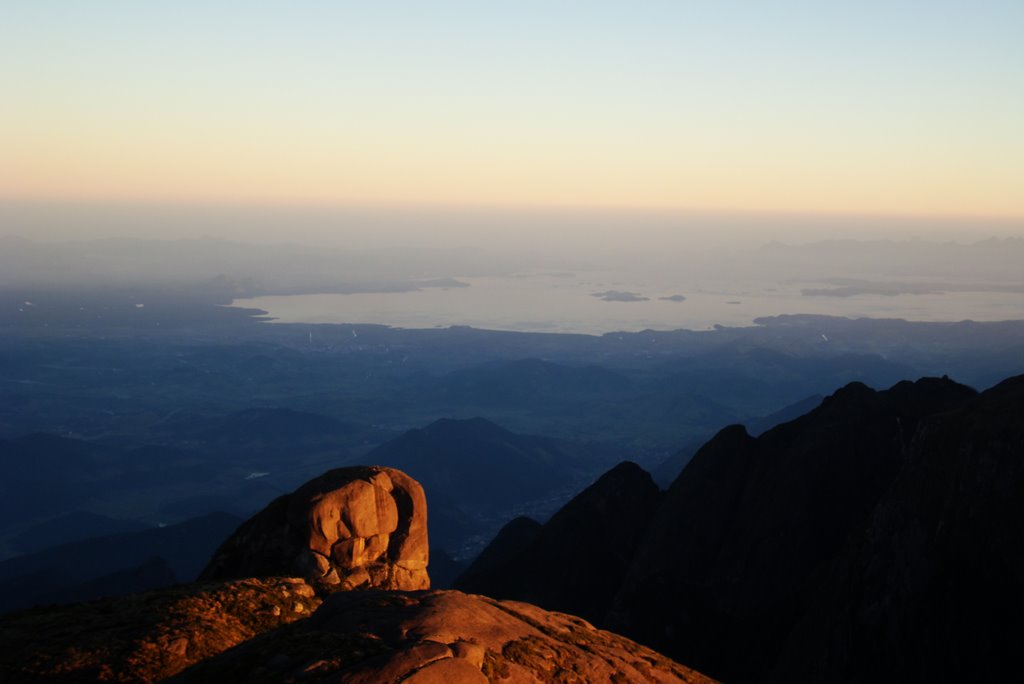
(439, 636)
(146, 637)
(272, 630)
(577, 560)
(351, 528)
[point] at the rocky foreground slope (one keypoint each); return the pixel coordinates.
(276, 630)
(360, 611)
(146, 637)
(440, 636)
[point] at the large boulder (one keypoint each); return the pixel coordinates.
(351, 528)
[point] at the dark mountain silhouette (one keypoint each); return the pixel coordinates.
(150, 574)
(65, 466)
(666, 472)
(759, 426)
(482, 465)
(747, 374)
(530, 380)
(576, 561)
(444, 569)
(751, 523)
(876, 538)
(267, 426)
(932, 588)
(71, 527)
(489, 571)
(473, 469)
(588, 403)
(44, 476)
(45, 575)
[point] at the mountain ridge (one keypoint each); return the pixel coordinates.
(752, 559)
(875, 538)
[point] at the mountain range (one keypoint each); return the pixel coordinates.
(874, 538)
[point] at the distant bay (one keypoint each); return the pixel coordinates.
(566, 303)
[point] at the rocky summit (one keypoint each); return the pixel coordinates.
(276, 630)
(438, 636)
(362, 613)
(351, 528)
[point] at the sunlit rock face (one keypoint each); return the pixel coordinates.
(351, 528)
(444, 637)
(146, 637)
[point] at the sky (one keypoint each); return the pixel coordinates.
(871, 107)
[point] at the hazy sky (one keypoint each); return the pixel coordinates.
(869, 106)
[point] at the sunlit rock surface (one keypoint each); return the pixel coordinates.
(276, 630)
(146, 637)
(439, 636)
(351, 528)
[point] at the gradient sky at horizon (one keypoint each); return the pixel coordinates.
(869, 107)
